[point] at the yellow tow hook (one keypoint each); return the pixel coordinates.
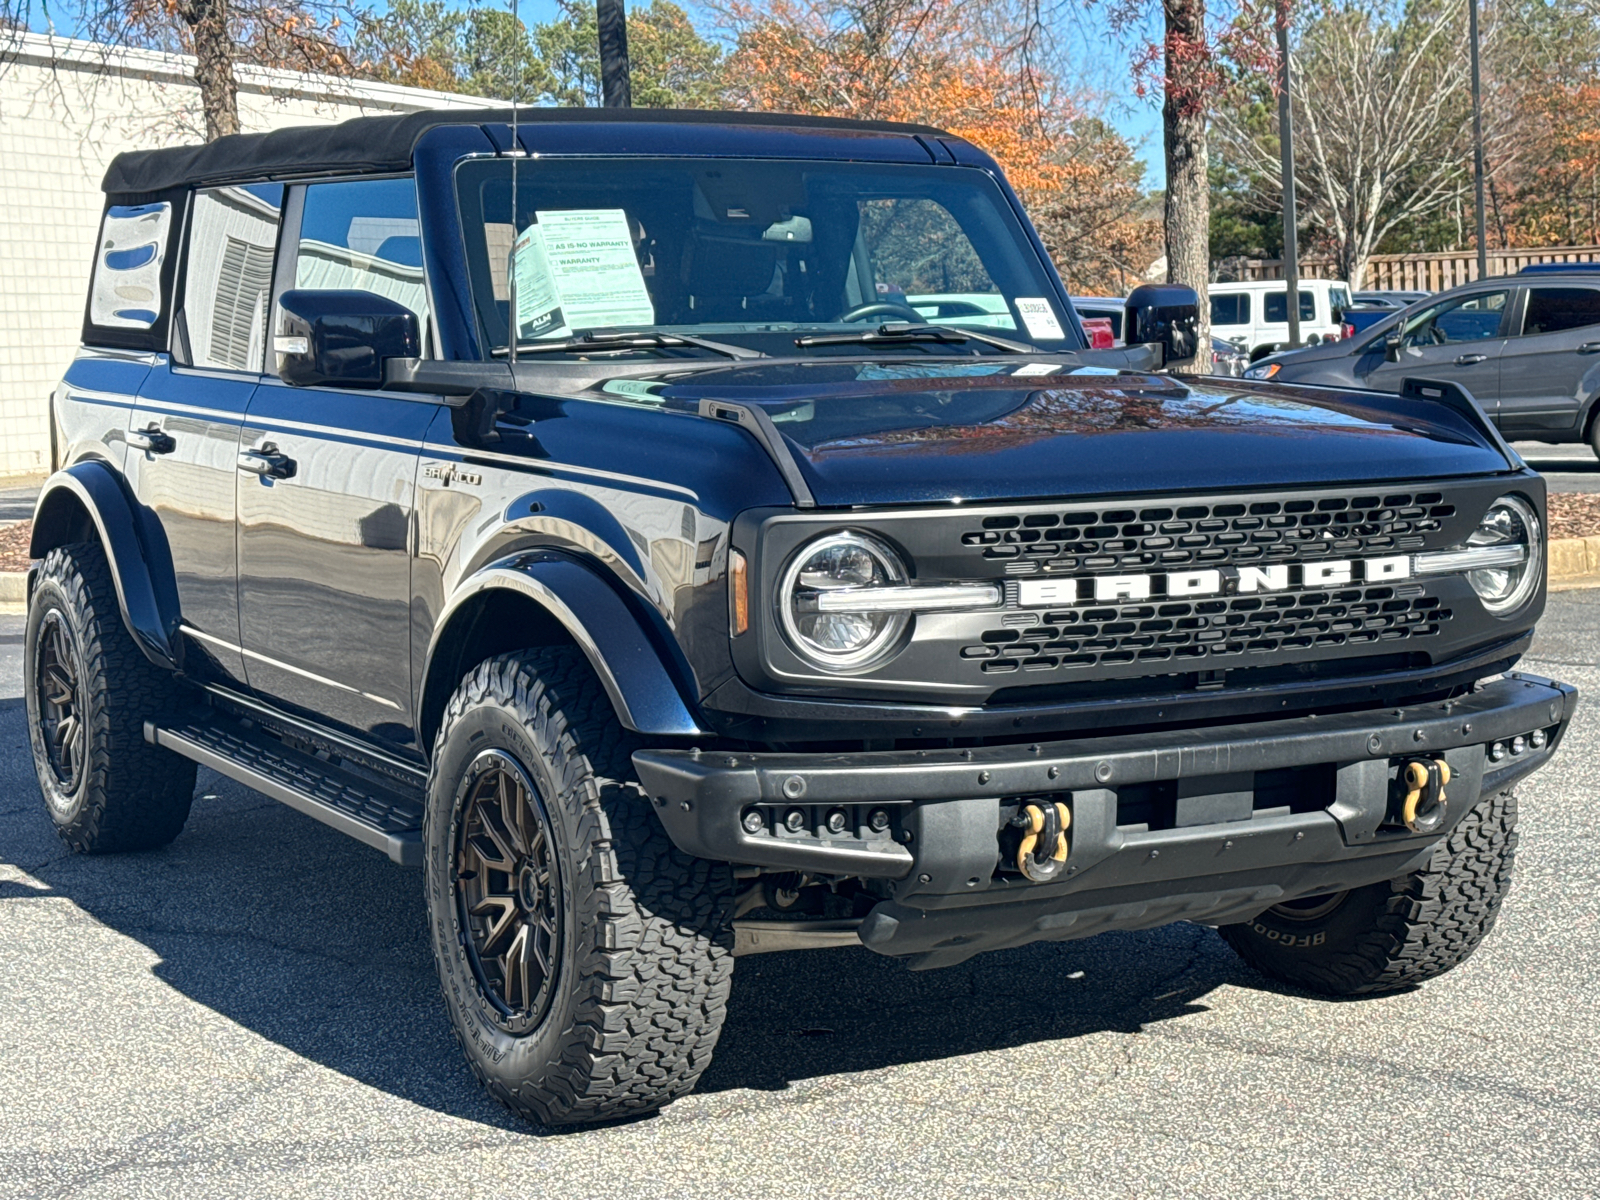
(1424, 779)
(1043, 852)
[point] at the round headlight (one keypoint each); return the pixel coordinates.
(838, 639)
(1510, 521)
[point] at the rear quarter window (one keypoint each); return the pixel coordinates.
(125, 291)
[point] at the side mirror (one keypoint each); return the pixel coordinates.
(342, 337)
(1168, 316)
(1391, 346)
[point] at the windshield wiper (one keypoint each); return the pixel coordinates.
(906, 331)
(590, 340)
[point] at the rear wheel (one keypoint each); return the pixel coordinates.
(1397, 934)
(585, 961)
(89, 690)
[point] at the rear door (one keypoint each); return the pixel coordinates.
(325, 540)
(1458, 340)
(1549, 373)
(183, 432)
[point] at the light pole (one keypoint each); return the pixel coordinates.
(1477, 141)
(1291, 240)
(616, 89)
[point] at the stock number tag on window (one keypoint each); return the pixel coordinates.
(1039, 318)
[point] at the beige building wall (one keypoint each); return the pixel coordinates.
(66, 108)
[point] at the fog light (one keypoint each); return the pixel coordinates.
(752, 821)
(1497, 752)
(1537, 739)
(1519, 744)
(878, 820)
(794, 820)
(837, 821)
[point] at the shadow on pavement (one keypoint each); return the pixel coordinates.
(319, 944)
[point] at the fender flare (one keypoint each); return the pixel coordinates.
(135, 548)
(642, 690)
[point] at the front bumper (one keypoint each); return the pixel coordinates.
(1224, 832)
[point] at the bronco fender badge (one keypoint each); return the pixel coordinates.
(1217, 581)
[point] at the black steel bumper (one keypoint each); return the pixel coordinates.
(1224, 849)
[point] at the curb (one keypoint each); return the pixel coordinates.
(14, 587)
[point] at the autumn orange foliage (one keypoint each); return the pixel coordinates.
(936, 62)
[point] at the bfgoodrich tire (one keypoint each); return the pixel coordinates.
(1397, 934)
(585, 961)
(89, 690)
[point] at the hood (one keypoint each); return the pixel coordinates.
(873, 433)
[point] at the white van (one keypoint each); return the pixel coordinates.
(1255, 315)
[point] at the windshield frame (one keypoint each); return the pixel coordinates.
(1028, 260)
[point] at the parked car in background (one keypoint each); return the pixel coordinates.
(1394, 301)
(1101, 308)
(1526, 346)
(1255, 315)
(1226, 358)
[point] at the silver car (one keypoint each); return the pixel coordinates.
(1526, 346)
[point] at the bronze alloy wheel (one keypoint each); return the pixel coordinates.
(58, 684)
(508, 890)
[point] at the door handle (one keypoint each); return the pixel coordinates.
(266, 461)
(1468, 360)
(1589, 348)
(151, 438)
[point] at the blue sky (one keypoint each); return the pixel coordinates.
(1100, 64)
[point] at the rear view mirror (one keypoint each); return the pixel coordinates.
(342, 337)
(1165, 315)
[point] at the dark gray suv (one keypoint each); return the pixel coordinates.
(1526, 346)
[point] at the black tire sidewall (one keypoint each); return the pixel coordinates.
(1300, 943)
(508, 1058)
(49, 596)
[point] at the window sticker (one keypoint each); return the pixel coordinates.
(127, 272)
(1037, 369)
(581, 273)
(1039, 318)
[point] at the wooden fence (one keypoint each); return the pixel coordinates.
(1424, 272)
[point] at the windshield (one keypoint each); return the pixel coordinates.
(752, 252)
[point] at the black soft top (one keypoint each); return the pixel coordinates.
(375, 144)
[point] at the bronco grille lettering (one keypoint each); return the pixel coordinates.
(1044, 593)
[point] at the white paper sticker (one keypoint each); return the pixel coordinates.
(538, 301)
(594, 268)
(1039, 317)
(1037, 369)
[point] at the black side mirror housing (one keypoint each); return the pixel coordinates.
(1391, 346)
(1166, 315)
(342, 338)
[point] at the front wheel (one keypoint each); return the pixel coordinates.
(1392, 935)
(585, 960)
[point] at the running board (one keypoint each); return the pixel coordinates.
(383, 815)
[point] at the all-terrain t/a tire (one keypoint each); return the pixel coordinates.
(89, 690)
(1397, 934)
(585, 960)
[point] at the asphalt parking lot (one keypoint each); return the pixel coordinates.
(1566, 468)
(253, 1012)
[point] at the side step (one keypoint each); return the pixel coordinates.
(382, 813)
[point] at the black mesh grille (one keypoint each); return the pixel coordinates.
(1089, 540)
(1205, 634)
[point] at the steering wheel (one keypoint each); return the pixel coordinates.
(884, 308)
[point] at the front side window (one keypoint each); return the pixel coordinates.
(1550, 310)
(233, 238)
(1231, 310)
(362, 235)
(126, 291)
(1276, 307)
(759, 250)
(1466, 319)
(1338, 301)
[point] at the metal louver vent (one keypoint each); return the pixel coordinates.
(244, 278)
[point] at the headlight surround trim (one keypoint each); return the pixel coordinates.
(885, 628)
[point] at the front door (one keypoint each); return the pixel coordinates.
(326, 481)
(1458, 341)
(183, 431)
(1550, 372)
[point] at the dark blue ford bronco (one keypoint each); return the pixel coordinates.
(694, 535)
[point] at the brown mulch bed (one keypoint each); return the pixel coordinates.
(14, 546)
(1574, 514)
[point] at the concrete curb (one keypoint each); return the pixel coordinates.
(13, 587)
